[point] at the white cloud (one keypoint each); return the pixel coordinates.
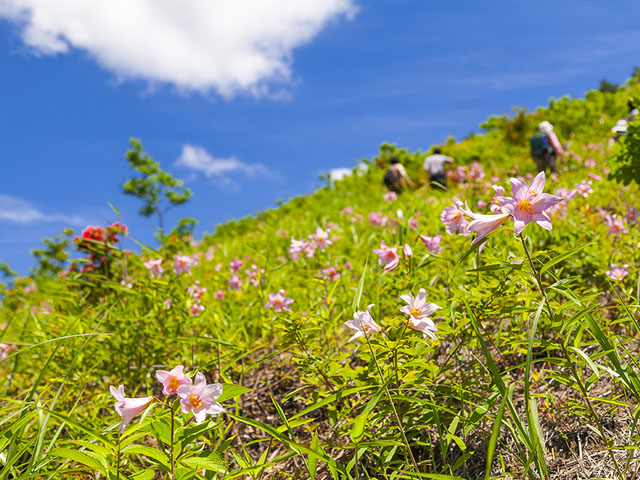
(17, 210)
(337, 174)
(228, 46)
(198, 159)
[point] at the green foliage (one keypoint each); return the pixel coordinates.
(607, 87)
(185, 226)
(7, 273)
(52, 259)
(625, 165)
(158, 189)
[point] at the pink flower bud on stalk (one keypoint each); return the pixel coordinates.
(432, 243)
(128, 408)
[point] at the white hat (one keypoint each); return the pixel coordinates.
(545, 127)
(621, 127)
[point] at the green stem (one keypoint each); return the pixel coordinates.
(173, 465)
(118, 459)
(393, 406)
(574, 372)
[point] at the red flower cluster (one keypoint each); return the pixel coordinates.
(98, 242)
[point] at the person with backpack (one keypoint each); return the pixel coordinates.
(434, 165)
(396, 176)
(545, 148)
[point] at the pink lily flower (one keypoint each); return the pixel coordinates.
(387, 256)
(154, 267)
(346, 211)
(413, 224)
(584, 188)
(196, 309)
(484, 224)
(419, 312)
(453, 219)
(331, 273)
(183, 264)
(617, 273)
(219, 295)
(529, 203)
(235, 265)
(195, 290)
(310, 249)
(128, 408)
(296, 248)
(321, 238)
(616, 225)
(390, 197)
(632, 216)
(279, 302)
(172, 379)
(496, 207)
(200, 398)
(363, 323)
(432, 243)
(235, 282)
(406, 250)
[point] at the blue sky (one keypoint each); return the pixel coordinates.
(263, 101)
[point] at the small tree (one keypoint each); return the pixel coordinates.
(607, 87)
(6, 272)
(158, 189)
(53, 257)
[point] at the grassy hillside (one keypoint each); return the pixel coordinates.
(528, 371)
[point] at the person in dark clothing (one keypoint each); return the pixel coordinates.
(396, 177)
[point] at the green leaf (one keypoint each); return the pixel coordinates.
(229, 391)
(82, 458)
(357, 431)
(145, 475)
(495, 432)
(114, 209)
(212, 462)
(356, 299)
(562, 257)
(149, 452)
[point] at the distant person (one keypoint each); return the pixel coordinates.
(620, 129)
(633, 111)
(546, 148)
(434, 165)
(396, 177)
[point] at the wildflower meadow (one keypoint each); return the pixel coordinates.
(485, 330)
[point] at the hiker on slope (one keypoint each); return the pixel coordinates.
(546, 148)
(434, 165)
(396, 176)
